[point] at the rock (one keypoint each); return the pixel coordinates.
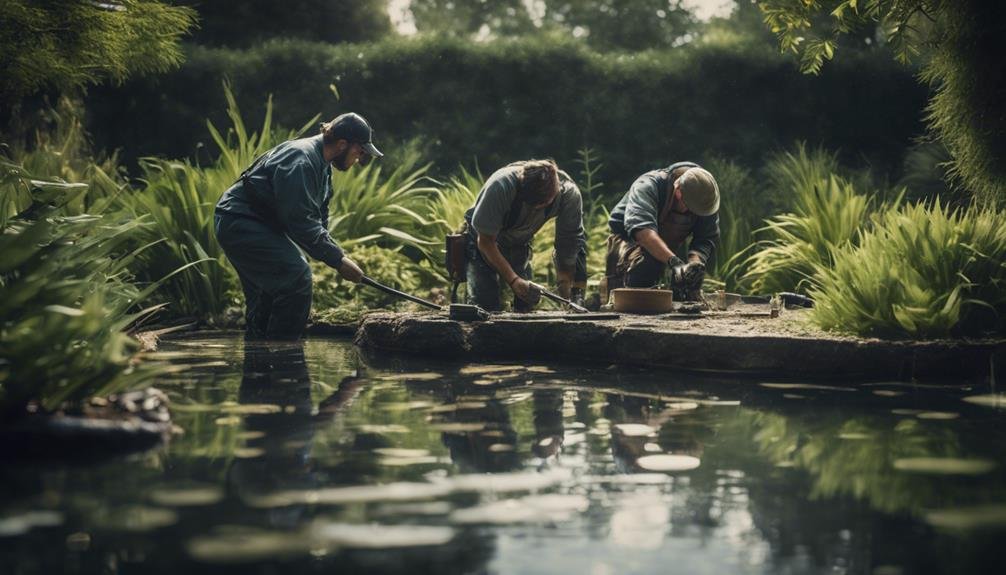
(723, 342)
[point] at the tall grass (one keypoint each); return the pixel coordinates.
(66, 297)
(742, 208)
(178, 199)
(828, 212)
(922, 271)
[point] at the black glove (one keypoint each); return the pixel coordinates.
(693, 275)
(677, 267)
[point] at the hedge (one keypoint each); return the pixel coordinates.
(503, 100)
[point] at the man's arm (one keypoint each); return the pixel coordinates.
(298, 209)
(493, 256)
(641, 213)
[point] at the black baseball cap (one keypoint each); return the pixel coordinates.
(353, 128)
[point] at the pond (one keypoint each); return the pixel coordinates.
(307, 458)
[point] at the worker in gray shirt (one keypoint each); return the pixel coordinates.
(278, 207)
(514, 203)
(660, 211)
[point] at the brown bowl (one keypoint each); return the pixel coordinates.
(642, 300)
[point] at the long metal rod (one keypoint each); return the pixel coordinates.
(557, 298)
(393, 291)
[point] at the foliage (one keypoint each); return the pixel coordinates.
(178, 199)
(337, 299)
(743, 206)
(537, 97)
(250, 22)
(828, 213)
(68, 45)
(66, 298)
(602, 24)
(923, 271)
(370, 205)
(957, 39)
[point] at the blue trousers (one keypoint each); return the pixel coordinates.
(275, 277)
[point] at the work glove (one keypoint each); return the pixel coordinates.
(693, 275)
(676, 269)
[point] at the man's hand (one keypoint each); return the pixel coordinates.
(525, 290)
(686, 275)
(350, 271)
(677, 267)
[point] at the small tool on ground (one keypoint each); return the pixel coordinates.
(557, 298)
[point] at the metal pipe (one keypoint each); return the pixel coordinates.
(367, 281)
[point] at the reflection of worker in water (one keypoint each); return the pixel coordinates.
(490, 449)
(548, 427)
(276, 378)
(675, 431)
(662, 209)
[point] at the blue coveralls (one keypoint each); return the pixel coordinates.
(279, 204)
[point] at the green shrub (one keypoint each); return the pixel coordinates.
(923, 271)
(827, 214)
(178, 199)
(66, 298)
(505, 100)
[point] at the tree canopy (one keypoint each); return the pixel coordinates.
(960, 44)
(68, 44)
(249, 22)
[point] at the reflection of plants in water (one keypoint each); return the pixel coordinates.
(856, 456)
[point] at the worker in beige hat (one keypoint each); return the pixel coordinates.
(662, 210)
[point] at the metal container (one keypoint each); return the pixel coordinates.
(643, 300)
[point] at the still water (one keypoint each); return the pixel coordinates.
(307, 458)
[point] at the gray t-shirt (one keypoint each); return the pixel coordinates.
(497, 197)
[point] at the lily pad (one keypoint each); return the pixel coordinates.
(666, 463)
(812, 386)
(186, 497)
(944, 465)
(938, 415)
(375, 536)
(246, 547)
(996, 400)
(969, 518)
(635, 429)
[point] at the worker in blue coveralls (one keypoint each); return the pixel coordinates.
(278, 207)
(660, 211)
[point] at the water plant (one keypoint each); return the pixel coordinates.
(66, 297)
(828, 212)
(923, 271)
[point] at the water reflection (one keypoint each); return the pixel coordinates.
(299, 456)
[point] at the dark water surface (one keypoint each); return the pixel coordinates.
(303, 458)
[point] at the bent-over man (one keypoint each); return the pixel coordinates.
(513, 204)
(278, 207)
(662, 209)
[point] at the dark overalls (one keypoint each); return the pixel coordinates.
(276, 208)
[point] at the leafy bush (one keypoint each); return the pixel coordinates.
(178, 199)
(923, 271)
(827, 214)
(66, 298)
